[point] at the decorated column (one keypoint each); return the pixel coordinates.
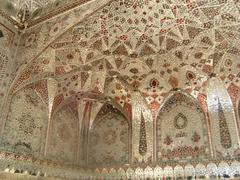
(142, 130)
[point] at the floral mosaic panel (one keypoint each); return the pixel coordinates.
(25, 130)
(62, 144)
(181, 129)
(109, 141)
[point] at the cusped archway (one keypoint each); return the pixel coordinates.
(109, 138)
(181, 128)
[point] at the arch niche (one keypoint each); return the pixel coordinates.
(181, 129)
(109, 138)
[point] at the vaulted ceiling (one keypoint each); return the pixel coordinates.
(126, 44)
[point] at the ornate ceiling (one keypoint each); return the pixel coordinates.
(181, 44)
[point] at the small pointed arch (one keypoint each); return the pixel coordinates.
(109, 138)
(235, 167)
(148, 172)
(62, 131)
(168, 172)
(179, 172)
(158, 172)
(139, 172)
(104, 173)
(180, 121)
(113, 172)
(212, 170)
(130, 173)
(200, 171)
(111, 106)
(121, 173)
(189, 171)
(224, 169)
(97, 172)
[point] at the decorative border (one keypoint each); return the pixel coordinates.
(10, 162)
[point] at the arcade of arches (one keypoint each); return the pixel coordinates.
(117, 89)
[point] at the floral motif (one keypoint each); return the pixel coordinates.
(190, 75)
(228, 63)
(180, 121)
(135, 3)
(31, 99)
(196, 137)
(183, 152)
(154, 83)
(26, 124)
(168, 140)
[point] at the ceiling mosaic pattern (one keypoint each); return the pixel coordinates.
(182, 44)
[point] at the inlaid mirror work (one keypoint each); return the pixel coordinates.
(181, 129)
(109, 138)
